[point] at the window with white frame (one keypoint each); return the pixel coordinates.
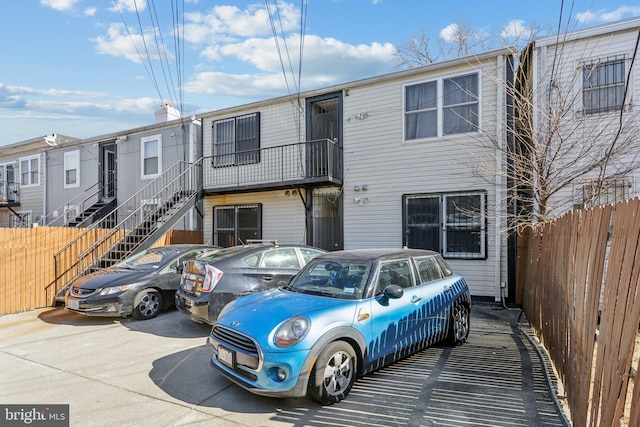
(234, 225)
(603, 85)
(72, 169)
(29, 171)
(452, 224)
(236, 140)
(597, 192)
(442, 107)
(151, 156)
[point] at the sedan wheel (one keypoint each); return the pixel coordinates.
(334, 373)
(148, 306)
(459, 324)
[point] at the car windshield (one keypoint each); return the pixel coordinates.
(146, 260)
(332, 278)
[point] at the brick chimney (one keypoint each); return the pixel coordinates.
(166, 113)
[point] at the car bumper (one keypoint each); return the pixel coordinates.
(264, 381)
(195, 307)
(101, 306)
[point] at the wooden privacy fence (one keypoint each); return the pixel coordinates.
(27, 267)
(566, 262)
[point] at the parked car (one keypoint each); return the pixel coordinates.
(209, 282)
(345, 314)
(142, 284)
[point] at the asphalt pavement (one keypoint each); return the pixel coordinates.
(156, 373)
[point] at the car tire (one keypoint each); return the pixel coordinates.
(147, 304)
(459, 323)
(334, 373)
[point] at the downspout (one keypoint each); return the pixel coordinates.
(498, 190)
(44, 188)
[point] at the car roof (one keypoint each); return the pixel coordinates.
(376, 254)
(183, 247)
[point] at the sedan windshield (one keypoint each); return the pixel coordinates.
(337, 279)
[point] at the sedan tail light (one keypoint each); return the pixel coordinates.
(211, 278)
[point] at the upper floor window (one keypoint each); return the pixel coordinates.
(30, 171)
(603, 86)
(72, 169)
(236, 140)
(442, 107)
(151, 156)
(452, 224)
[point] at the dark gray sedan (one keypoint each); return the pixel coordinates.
(211, 281)
(142, 284)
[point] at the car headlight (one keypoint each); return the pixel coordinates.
(113, 290)
(292, 331)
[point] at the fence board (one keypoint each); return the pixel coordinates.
(27, 270)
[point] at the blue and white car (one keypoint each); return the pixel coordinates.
(345, 314)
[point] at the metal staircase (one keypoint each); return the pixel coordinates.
(151, 212)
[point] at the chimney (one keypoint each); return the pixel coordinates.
(166, 113)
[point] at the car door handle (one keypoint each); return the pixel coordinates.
(267, 278)
(415, 299)
(446, 288)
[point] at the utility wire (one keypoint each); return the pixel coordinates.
(157, 31)
(155, 81)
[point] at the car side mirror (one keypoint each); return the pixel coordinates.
(391, 292)
(179, 270)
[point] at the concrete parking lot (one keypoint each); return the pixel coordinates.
(156, 373)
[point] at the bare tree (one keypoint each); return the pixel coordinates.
(460, 39)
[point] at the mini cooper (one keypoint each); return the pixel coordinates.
(346, 313)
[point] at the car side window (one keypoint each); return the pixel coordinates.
(394, 273)
(428, 269)
(309, 254)
(280, 258)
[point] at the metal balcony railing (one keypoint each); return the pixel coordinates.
(306, 162)
(9, 192)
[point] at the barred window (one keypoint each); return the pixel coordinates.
(236, 140)
(598, 193)
(452, 224)
(234, 225)
(603, 86)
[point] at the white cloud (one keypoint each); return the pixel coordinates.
(229, 22)
(129, 5)
(90, 11)
(516, 29)
(602, 15)
(449, 33)
(120, 43)
(59, 5)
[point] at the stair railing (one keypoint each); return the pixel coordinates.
(89, 247)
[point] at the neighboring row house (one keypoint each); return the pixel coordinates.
(413, 158)
(580, 91)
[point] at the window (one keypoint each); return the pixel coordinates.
(8, 188)
(29, 171)
(442, 107)
(597, 193)
(151, 156)
(603, 86)
(452, 224)
(281, 258)
(236, 141)
(394, 273)
(234, 225)
(72, 169)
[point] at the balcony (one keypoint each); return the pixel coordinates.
(9, 194)
(306, 164)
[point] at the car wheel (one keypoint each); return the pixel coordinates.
(334, 373)
(458, 324)
(148, 305)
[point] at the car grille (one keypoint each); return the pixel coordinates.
(229, 336)
(79, 292)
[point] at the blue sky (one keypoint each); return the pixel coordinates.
(84, 68)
